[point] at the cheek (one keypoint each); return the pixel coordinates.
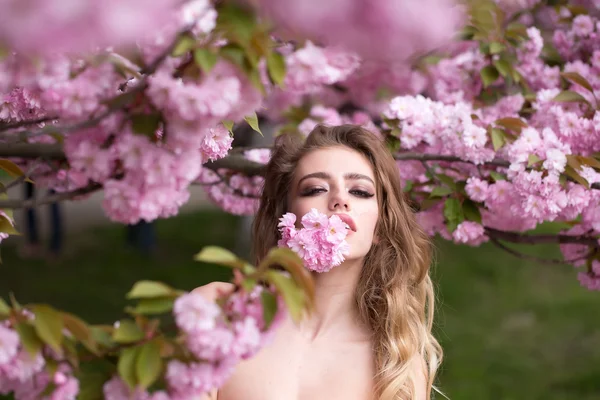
(369, 217)
(302, 205)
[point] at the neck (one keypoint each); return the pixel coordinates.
(335, 309)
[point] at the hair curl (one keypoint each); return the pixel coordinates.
(394, 295)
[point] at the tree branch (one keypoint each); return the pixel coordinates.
(32, 150)
(237, 163)
(515, 237)
(20, 124)
(53, 198)
(523, 256)
(496, 162)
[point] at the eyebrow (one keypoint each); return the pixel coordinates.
(349, 176)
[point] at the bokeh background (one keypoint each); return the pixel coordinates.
(511, 328)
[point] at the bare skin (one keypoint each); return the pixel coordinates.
(328, 355)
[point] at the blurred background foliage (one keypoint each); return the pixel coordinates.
(510, 328)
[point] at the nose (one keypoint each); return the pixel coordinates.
(339, 201)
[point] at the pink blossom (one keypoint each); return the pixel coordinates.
(470, 232)
(477, 189)
(216, 143)
(9, 344)
(320, 243)
(193, 313)
(358, 25)
(50, 25)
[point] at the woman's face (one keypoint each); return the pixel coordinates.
(338, 180)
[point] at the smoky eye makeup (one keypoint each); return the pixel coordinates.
(361, 192)
(311, 191)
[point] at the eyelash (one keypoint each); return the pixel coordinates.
(357, 192)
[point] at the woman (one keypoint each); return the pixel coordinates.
(370, 335)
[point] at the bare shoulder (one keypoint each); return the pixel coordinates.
(214, 289)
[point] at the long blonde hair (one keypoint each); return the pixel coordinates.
(394, 295)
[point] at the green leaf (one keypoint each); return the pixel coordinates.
(408, 185)
(48, 325)
(288, 260)
(574, 175)
(514, 124)
(229, 125)
(150, 289)
(6, 226)
(145, 124)
(237, 22)
(252, 120)
(92, 377)
(497, 176)
(589, 161)
(269, 303)
(532, 160)
(11, 168)
(578, 79)
(236, 55)
(80, 330)
(292, 295)
(496, 47)
(447, 180)
(503, 67)
(453, 213)
(205, 59)
(471, 211)
(574, 162)
(148, 364)
(569, 96)
(127, 366)
(153, 306)
(441, 191)
(184, 44)
(249, 284)
(127, 332)
(102, 335)
(498, 138)
(489, 74)
(276, 67)
(220, 256)
(30, 339)
(4, 308)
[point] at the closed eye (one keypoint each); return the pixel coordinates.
(361, 193)
(312, 191)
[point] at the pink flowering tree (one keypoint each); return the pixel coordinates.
(495, 131)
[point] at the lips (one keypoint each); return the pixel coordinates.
(348, 220)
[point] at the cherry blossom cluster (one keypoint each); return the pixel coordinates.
(359, 25)
(218, 336)
(145, 170)
(330, 116)
(321, 242)
(235, 192)
(50, 25)
(442, 129)
(25, 376)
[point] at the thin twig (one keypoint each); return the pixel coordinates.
(496, 162)
(21, 178)
(540, 260)
(224, 181)
(53, 198)
(515, 237)
(20, 124)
